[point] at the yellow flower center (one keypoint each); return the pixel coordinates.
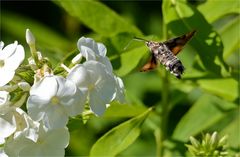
(1, 63)
(55, 100)
(90, 87)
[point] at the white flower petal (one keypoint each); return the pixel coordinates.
(87, 47)
(7, 125)
(36, 107)
(4, 98)
(13, 146)
(66, 87)
(25, 125)
(91, 49)
(79, 76)
(102, 79)
(2, 141)
(119, 96)
(55, 117)
(75, 104)
(8, 50)
(96, 70)
(88, 53)
(46, 88)
(107, 63)
(51, 137)
(5, 76)
(1, 46)
(102, 51)
(97, 105)
(15, 59)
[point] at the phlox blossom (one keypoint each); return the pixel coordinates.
(10, 58)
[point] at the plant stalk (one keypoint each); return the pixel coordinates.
(161, 133)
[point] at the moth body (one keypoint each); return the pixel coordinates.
(163, 55)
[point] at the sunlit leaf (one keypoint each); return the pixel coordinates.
(181, 17)
(230, 39)
(225, 88)
(119, 138)
(204, 113)
(123, 110)
(98, 17)
(213, 10)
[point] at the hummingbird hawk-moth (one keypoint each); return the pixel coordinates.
(165, 54)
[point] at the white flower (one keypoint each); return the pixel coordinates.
(53, 99)
(48, 143)
(4, 98)
(94, 51)
(13, 120)
(7, 125)
(10, 58)
(119, 95)
(93, 77)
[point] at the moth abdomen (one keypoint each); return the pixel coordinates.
(177, 68)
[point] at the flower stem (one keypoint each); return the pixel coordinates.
(161, 134)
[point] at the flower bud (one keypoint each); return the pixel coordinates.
(77, 59)
(194, 142)
(30, 38)
(223, 140)
(214, 139)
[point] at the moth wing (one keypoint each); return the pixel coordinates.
(176, 44)
(151, 64)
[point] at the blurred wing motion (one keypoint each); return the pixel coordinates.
(176, 44)
(151, 64)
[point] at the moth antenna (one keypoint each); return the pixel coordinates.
(134, 38)
(140, 39)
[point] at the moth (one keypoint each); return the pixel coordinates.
(165, 54)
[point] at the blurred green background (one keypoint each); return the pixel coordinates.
(205, 100)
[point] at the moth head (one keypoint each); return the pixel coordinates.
(152, 44)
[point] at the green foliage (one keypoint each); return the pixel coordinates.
(120, 137)
(98, 17)
(205, 100)
(206, 111)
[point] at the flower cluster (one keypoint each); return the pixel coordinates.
(51, 99)
(210, 146)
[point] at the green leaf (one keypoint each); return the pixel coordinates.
(120, 137)
(204, 113)
(230, 39)
(213, 10)
(98, 17)
(123, 110)
(225, 88)
(44, 36)
(129, 60)
(232, 130)
(181, 18)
